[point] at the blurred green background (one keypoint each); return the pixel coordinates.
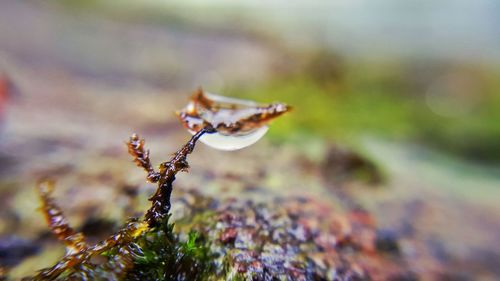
(418, 71)
(410, 87)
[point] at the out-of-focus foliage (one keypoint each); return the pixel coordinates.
(431, 90)
(394, 100)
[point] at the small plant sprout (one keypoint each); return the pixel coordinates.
(165, 177)
(234, 123)
(220, 122)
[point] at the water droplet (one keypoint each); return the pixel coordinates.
(239, 123)
(228, 142)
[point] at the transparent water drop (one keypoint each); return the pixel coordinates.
(228, 142)
(239, 123)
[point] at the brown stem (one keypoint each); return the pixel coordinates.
(160, 205)
(141, 157)
(132, 230)
(73, 240)
(80, 253)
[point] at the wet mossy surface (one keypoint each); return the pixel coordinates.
(160, 255)
(288, 239)
(291, 239)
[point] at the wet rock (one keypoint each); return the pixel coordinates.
(293, 240)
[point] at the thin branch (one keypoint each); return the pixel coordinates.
(59, 225)
(126, 235)
(141, 157)
(160, 205)
(79, 253)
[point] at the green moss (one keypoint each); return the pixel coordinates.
(161, 255)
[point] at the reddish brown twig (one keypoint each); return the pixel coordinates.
(78, 252)
(74, 241)
(160, 205)
(81, 259)
(141, 157)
